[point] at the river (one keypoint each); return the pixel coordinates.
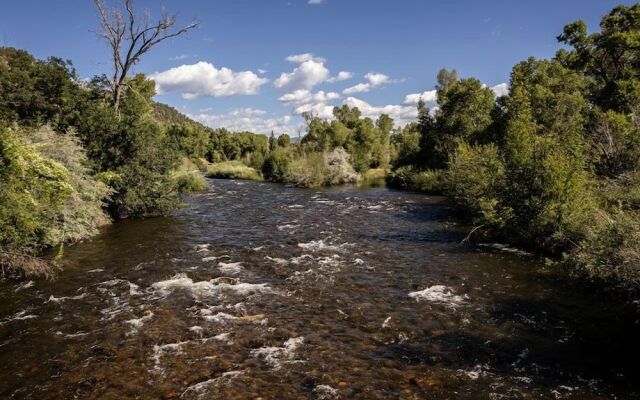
(261, 291)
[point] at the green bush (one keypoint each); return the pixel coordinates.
(475, 181)
(233, 170)
(429, 181)
(47, 197)
(322, 169)
(188, 178)
(276, 165)
(307, 171)
(611, 250)
(411, 178)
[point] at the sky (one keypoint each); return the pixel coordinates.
(257, 64)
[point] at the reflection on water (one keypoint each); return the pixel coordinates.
(261, 291)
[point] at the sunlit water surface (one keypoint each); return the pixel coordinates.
(262, 291)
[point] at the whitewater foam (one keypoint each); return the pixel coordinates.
(438, 294)
(275, 357)
(137, 323)
(230, 268)
(208, 288)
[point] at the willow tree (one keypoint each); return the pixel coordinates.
(130, 36)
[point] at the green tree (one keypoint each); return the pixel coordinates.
(284, 140)
(609, 57)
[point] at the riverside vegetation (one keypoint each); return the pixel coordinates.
(552, 165)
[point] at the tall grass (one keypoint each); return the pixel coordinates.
(233, 170)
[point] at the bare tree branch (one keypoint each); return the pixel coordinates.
(131, 37)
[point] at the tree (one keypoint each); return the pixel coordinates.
(273, 143)
(610, 57)
(284, 140)
(35, 92)
(130, 36)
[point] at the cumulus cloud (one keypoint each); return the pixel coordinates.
(359, 88)
(248, 119)
(303, 96)
(400, 113)
(203, 79)
(342, 76)
(375, 79)
(308, 74)
(501, 89)
(300, 58)
(320, 110)
(430, 96)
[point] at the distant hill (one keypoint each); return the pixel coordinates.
(169, 116)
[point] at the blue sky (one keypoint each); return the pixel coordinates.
(236, 69)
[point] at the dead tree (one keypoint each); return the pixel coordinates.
(130, 36)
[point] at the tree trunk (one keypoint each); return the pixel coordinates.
(117, 94)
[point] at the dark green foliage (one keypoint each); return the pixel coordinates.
(53, 190)
(34, 92)
(552, 166)
(367, 142)
(276, 165)
(133, 153)
(284, 140)
(190, 139)
(405, 145)
(232, 146)
(610, 58)
(465, 112)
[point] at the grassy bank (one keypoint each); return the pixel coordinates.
(233, 170)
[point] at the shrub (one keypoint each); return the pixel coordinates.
(307, 171)
(339, 170)
(411, 178)
(47, 197)
(276, 165)
(611, 250)
(322, 169)
(232, 170)
(475, 181)
(188, 178)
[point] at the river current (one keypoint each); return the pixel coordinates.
(259, 291)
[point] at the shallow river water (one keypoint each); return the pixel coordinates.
(261, 291)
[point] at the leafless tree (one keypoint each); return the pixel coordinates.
(130, 36)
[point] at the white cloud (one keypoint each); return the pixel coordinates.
(342, 76)
(303, 96)
(262, 71)
(359, 88)
(375, 79)
(430, 96)
(320, 110)
(501, 89)
(249, 119)
(203, 79)
(309, 73)
(300, 58)
(400, 113)
(315, 2)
